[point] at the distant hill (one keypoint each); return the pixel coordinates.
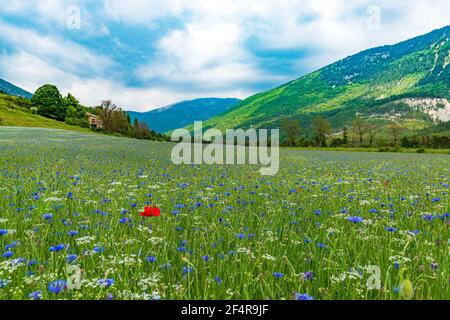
(13, 90)
(184, 113)
(407, 82)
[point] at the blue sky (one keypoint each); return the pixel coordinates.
(146, 54)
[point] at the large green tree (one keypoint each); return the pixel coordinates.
(292, 130)
(73, 108)
(322, 128)
(49, 102)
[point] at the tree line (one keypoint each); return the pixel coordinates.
(360, 133)
(48, 102)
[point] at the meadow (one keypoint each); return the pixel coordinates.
(70, 204)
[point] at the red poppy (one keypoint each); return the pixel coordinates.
(151, 212)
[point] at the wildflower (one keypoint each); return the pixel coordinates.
(151, 259)
(125, 220)
(47, 216)
(355, 219)
(434, 266)
(7, 254)
(308, 275)
(105, 282)
(72, 233)
(57, 286)
(187, 270)
(57, 248)
(435, 200)
(99, 249)
(303, 296)
(71, 258)
(36, 295)
(205, 258)
(3, 283)
(3, 232)
(278, 275)
(390, 229)
(151, 212)
(218, 280)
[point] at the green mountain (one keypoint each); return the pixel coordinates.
(13, 90)
(184, 113)
(407, 82)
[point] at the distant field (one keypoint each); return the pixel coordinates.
(317, 230)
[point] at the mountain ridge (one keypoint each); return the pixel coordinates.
(14, 90)
(183, 113)
(417, 67)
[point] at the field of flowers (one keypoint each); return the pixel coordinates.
(70, 226)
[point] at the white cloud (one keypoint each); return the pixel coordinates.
(68, 55)
(210, 51)
(141, 12)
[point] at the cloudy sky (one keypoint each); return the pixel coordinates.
(148, 53)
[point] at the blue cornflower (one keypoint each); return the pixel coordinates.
(396, 265)
(71, 258)
(47, 216)
(241, 236)
(72, 233)
(11, 245)
(303, 296)
(57, 248)
(373, 211)
(3, 283)
(125, 220)
(355, 219)
(3, 232)
(308, 275)
(57, 286)
(390, 229)
(99, 249)
(187, 270)
(435, 200)
(7, 254)
(278, 275)
(151, 259)
(205, 258)
(36, 295)
(106, 282)
(321, 245)
(218, 280)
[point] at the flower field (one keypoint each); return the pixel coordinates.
(329, 225)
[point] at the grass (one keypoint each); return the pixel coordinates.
(370, 149)
(13, 115)
(226, 232)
